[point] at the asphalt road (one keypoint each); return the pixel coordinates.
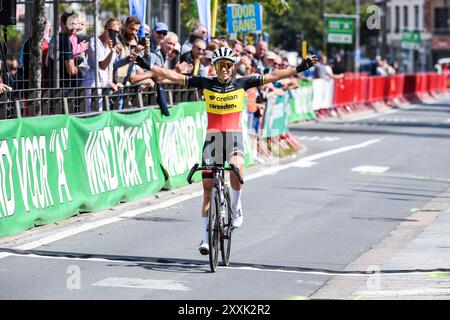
(305, 220)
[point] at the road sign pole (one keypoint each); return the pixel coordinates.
(357, 36)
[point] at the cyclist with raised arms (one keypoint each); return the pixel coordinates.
(224, 97)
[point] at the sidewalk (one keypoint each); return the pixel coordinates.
(429, 254)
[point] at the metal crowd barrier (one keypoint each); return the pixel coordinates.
(27, 103)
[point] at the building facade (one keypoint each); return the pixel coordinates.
(403, 16)
(437, 16)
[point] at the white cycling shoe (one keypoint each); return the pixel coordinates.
(204, 248)
(237, 218)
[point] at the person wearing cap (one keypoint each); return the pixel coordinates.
(159, 32)
(194, 56)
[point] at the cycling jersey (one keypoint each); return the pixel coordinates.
(224, 101)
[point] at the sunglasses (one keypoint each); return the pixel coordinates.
(226, 65)
(164, 33)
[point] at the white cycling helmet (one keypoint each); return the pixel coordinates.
(223, 53)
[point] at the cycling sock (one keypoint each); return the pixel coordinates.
(235, 199)
(205, 229)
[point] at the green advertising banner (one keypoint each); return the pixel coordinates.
(180, 140)
(54, 167)
(300, 101)
(276, 117)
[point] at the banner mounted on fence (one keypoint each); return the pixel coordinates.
(180, 140)
(276, 117)
(301, 102)
(54, 167)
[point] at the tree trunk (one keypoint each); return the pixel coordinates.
(37, 34)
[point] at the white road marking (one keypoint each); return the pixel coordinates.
(396, 120)
(269, 171)
(364, 117)
(317, 138)
(309, 282)
(405, 292)
(142, 284)
(370, 169)
(304, 164)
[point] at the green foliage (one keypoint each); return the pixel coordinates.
(117, 8)
(287, 21)
(189, 13)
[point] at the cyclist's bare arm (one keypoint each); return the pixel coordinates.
(291, 71)
(168, 76)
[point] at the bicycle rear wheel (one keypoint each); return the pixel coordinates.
(213, 230)
(225, 240)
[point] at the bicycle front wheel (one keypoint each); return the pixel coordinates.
(213, 230)
(225, 240)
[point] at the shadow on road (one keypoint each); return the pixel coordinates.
(201, 266)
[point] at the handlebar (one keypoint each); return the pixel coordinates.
(214, 168)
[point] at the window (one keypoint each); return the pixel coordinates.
(405, 17)
(440, 19)
(416, 17)
(397, 19)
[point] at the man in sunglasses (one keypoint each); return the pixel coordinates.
(224, 97)
(159, 32)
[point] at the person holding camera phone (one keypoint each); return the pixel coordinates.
(107, 53)
(131, 49)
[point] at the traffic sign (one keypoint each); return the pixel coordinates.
(411, 40)
(340, 30)
(244, 17)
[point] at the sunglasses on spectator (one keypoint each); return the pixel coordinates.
(226, 65)
(164, 33)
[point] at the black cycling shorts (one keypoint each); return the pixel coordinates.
(220, 147)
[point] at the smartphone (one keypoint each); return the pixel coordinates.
(313, 51)
(113, 37)
(132, 47)
(142, 41)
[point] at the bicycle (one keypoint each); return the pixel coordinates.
(219, 214)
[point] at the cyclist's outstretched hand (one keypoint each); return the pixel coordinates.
(307, 63)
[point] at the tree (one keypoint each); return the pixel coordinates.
(37, 34)
(190, 12)
(117, 8)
